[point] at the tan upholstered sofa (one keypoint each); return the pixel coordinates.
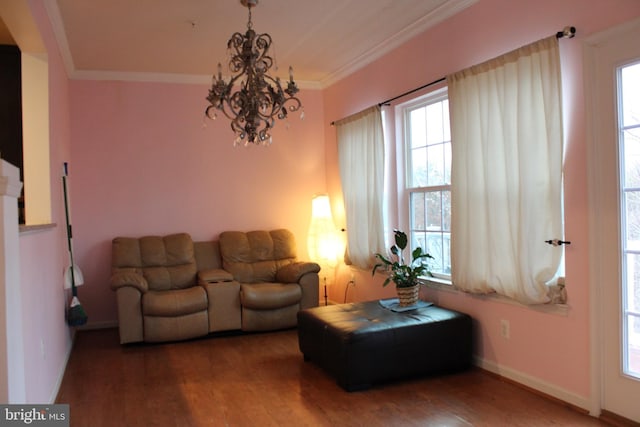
(170, 288)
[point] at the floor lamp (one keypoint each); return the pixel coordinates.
(323, 241)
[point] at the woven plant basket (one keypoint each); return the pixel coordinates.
(408, 296)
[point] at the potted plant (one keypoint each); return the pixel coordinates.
(404, 275)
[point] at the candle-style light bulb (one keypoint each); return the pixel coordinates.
(291, 74)
(219, 71)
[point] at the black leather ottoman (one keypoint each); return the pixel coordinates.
(364, 343)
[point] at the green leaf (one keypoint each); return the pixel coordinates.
(401, 239)
(417, 253)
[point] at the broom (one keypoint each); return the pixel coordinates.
(76, 316)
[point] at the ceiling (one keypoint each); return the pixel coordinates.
(183, 40)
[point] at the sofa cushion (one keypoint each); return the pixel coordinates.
(267, 296)
(178, 302)
(166, 262)
(256, 256)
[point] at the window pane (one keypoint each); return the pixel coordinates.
(418, 239)
(417, 211)
(435, 133)
(434, 211)
(447, 162)
(632, 294)
(632, 356)
(419, 167)
(431, 221)
(446, 253)
(446, 211)
(630, 98)
(632, 216)
(435, 164)
(631, 141)
(435, 249)
(418, 128)
(445, 122)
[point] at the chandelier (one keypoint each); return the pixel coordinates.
(258, 98)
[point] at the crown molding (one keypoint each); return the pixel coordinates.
(130, 76)
(438, 15)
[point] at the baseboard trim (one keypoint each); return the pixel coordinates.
(536, 385)
(617, 420)
(98, 325)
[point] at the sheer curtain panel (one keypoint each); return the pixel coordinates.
(506, 127)
(361, 162)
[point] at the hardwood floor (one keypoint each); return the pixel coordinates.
(262, 380)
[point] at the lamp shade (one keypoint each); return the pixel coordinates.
(323, 242)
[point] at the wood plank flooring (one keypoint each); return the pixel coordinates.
(262, 380)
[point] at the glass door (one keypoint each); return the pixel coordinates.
(612, 69)
(629, 149)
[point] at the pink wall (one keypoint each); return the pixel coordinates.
(43, 254)
(552, 348)
(143, 164)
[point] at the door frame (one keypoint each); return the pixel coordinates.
(599, 184)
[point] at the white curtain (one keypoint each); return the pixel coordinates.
(506, 132)
(361, 161)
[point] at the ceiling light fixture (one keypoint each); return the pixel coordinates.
(259, 99)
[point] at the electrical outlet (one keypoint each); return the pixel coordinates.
(505, 329)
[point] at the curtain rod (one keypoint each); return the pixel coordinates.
(567, 32)
(441, 79)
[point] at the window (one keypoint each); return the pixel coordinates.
(428, 184)
(507, 117)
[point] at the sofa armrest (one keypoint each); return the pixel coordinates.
(291, 273)
(214, 275)
(120, 279)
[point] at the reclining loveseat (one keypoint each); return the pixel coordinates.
(170, 288)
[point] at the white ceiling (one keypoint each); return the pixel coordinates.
(183, 40)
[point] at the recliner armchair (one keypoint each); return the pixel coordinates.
(155, 282)
(274, 286)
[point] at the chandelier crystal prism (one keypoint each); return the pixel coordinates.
(258, 98)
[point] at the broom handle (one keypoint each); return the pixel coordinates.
(74, 290)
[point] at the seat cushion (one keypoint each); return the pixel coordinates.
(267, 296)
(177, 302)
(166, 262)
(256, 256)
